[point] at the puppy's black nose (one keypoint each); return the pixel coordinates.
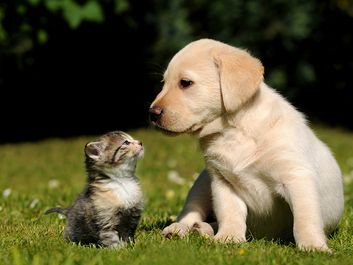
(155, 113)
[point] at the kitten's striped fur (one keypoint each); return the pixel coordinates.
(107, 212)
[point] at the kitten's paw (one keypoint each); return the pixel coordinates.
(177, 229)
(110, 239)
(117, 245)
(203, 229)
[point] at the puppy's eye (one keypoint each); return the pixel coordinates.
(185, 83)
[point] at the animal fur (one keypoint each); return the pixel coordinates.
(267, 174)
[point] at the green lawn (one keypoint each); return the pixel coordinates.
(40, 175)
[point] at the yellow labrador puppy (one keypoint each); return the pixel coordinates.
(267, 174)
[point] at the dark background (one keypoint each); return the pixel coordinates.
(73, 67)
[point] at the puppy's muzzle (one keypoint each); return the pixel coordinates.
(155, 114)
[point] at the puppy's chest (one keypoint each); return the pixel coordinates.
(231, 152)
(235, 159)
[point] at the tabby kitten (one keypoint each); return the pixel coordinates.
(107, 212)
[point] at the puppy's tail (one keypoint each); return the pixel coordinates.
(57, 210)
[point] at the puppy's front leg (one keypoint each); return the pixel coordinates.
(196, 208)
(230, 210)
(308, 227)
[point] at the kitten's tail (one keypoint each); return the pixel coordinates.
(57, 210)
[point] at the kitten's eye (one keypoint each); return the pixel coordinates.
(185, 83)
(126, 142)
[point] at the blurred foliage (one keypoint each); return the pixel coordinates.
(16, 17)
(304, 44)
(270, 29)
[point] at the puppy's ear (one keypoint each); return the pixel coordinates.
(94, 150)
(240, 75)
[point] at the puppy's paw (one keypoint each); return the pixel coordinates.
(311, 241)
(177, 229)
(229, 238)
(203, 229)
(315, 247)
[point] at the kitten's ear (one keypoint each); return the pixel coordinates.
(94, 150)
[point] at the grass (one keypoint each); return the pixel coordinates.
(40, 175)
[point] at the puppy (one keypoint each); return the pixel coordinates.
(267, 174)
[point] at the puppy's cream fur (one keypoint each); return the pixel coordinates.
(266, 172)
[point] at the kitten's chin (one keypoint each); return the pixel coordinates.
(140, 153)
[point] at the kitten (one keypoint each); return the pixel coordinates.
(107, 212)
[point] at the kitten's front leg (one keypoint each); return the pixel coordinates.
(111, 239)
(230, 210)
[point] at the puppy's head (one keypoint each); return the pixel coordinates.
(204, 80)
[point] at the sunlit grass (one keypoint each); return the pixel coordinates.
(37, 176)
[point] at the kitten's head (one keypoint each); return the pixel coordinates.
(113, 150)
